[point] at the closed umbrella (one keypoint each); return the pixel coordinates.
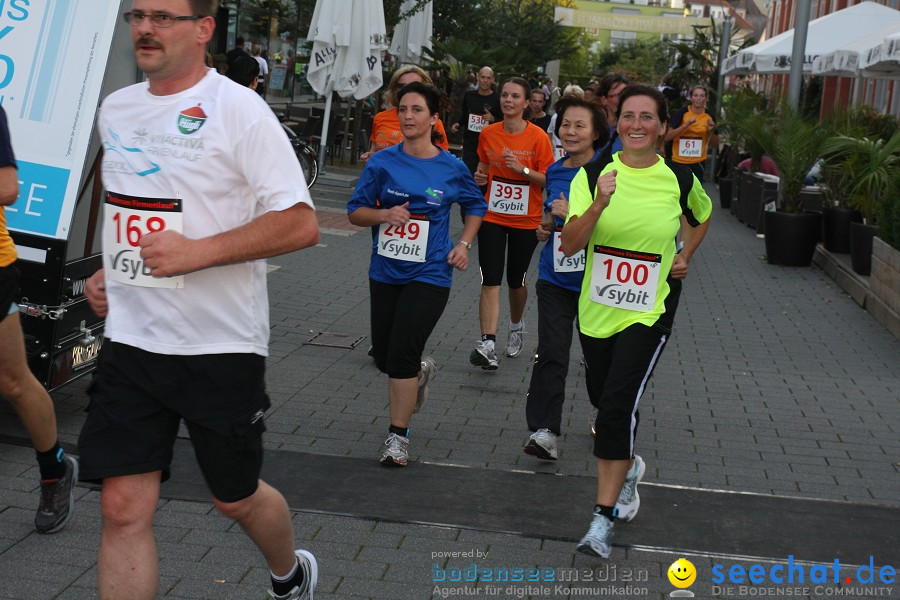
(348, 37)
(412, 34)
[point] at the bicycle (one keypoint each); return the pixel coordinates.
(309, 162)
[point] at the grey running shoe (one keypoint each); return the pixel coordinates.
(629, 501)
(515, 341)
(598, 539)
(542, 444)
(484, 356)
(57, 500)
(306, 590)
(429, 370)
(397, 452)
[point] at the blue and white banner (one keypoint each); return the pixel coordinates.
(53, 55)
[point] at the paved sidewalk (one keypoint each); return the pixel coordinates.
(775, 382)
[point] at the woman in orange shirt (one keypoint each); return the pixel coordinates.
(513, 156)
(386, 124)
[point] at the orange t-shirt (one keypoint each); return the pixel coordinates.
(7, 246)
(690, 147)
(386, 130)
(513, 200)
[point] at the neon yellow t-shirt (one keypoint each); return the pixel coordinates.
(633, 245)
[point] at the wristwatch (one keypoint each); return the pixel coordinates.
(468, 245)
(526, 171)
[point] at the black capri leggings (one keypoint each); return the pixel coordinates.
(493, 242)
(403, 316)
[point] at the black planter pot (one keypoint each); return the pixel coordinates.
(836, 228)
(861, 237)
(791, 238)
(725, 192)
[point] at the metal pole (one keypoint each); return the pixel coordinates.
(799, 52)
(724, 44)
(323, 148)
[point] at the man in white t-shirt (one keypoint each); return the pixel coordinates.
(202, 186)
(263, 71)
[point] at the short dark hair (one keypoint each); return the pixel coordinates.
(609, 80)
(598, 117)
(640, 89)
(538, 91)
(434, 100)
(208, 8)
(243, 70)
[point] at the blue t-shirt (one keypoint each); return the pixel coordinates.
(430, 185)
(559, 179)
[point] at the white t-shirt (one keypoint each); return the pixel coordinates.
(217, 148)
(263, 67)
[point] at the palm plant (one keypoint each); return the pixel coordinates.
(869, 167)
(744, 113)
(794, 143)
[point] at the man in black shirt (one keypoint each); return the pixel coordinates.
(236, 52)
(480, 108)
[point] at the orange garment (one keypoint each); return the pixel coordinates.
(386, 130)
(7, 246)
(532, 148)
(690, 147)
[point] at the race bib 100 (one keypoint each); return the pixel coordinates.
(508, 196)
(125, 220)
(625, 278)
(407, 242)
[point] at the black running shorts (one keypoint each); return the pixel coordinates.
(9, 290)
(138, 399)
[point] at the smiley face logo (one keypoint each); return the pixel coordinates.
(682, 573)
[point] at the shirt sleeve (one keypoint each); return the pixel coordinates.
(677, 118)
(366, 192)
(699, 203)
(439, 127)
(544, 155)
(579, 195)
(470, 197)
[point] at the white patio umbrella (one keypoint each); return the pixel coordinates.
(824, 35)
(412, 34)
(846, 61)
(348, 38)
(883, 60)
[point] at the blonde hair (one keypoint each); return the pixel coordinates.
(393, 86)
(573, 90)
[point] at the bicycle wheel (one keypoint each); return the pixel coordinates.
(308, 165)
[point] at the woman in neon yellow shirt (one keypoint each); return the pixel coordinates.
(626, 210)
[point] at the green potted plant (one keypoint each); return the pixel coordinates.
(869, 166)
(742, 110)
(794, 144)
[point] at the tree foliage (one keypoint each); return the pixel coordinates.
(642, 60)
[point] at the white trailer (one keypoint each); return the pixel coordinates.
(58, 60)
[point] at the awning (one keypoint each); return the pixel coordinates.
(846, 61)
(883, 60)
(825, 34)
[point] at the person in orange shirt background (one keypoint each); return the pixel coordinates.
(691, 131)
(513, 156)
(386, 124)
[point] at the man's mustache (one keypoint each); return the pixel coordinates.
(146, 41)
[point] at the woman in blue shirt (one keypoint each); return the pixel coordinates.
(581, 127)
(407, 191)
